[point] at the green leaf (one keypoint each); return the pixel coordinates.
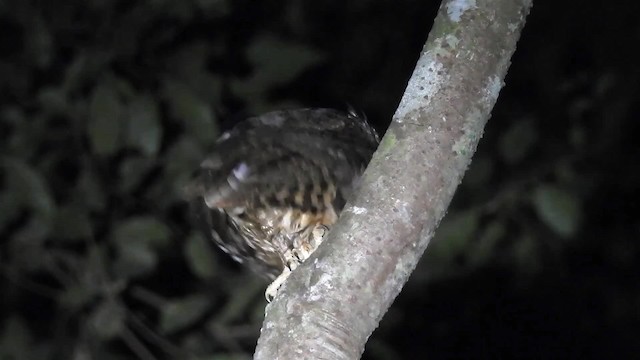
(487, 243)
(40, 44)
(53, 100)
(85, 68)
(16, 340)
(518, 140)
(190, 60)
(479, 173)
(89, 191)
(132, 171)
(30, 187)
(187, 107)
(189, 66)
(179, 314)
(454, 234)
(123, 87)
(27, 249)
(240, 303)
(105, 116)
(182, 158)
(200, 257)
(144, 131)
(137, 240)
(89, 274)
(107, 320)
(134, 260)
(72, 223)
(559, 209)
(526, 252)
(20, 140)
(276, 62)
(77, 296)
(142, 230)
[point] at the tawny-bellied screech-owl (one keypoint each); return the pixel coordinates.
(275, 184)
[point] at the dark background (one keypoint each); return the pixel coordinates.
(107, 107)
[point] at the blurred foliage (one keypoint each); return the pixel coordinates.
(107, 107)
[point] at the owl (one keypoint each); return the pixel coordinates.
(275, 184)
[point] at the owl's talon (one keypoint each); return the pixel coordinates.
(291, 259)
(301, 255)
(272, 289)
(301, 252)
(318, 233)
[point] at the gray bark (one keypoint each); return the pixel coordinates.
(330, 305)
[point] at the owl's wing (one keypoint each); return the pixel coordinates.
(267, 160)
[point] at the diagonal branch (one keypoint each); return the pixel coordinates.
(331, 304)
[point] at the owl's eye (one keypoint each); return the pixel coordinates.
(241, 171)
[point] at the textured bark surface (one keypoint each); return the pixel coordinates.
(329, 306)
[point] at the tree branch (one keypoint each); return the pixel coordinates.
(331, 304)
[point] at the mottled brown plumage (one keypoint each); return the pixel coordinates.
(276, 182)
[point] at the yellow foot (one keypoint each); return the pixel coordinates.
(272, 289)
(295, 257)
(318, 235)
